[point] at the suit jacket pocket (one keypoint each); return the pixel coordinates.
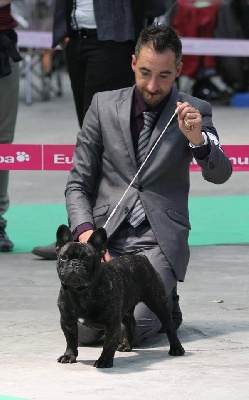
(100, 211)
(178, 217)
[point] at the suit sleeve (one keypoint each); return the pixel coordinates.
(216, 167)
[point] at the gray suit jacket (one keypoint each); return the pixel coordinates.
(104, 165)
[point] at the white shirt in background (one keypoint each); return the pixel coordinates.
(83, 15)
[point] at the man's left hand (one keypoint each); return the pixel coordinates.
(190, 123)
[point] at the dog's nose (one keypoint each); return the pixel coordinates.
(75, 264)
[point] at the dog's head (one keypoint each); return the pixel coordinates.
(79, 264)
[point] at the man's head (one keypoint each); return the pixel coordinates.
(157, 62)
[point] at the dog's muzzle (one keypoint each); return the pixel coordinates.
(74, 275)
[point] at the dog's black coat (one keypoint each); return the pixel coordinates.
(105, 295)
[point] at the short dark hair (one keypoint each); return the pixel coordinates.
(161, 37)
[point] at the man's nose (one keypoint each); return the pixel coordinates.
(152, 85)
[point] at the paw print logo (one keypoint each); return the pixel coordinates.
(22, 156)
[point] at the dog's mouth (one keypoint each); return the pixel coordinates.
(75, 281)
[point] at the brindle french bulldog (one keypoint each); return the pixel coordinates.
(104, 295)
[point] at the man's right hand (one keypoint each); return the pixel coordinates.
(64, 43)
(83, 238)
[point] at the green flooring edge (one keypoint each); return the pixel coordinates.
(3, 397)
(214, 221)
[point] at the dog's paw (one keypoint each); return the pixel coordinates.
(67, 359)
(176, 351)
(124, 347)
(103, 363)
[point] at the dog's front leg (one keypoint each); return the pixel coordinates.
(112, 334)
(70, 329)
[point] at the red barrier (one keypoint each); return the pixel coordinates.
(53, 157)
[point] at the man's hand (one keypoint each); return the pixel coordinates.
(190, 123)
(63, 43)
(83, 238)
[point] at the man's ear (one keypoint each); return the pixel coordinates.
(63, 236)
(98, 240)
(179, 69)
(133, 62)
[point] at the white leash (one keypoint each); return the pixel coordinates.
(143, 163)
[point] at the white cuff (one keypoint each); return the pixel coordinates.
(204, 144)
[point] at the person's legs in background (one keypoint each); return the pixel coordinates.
(9, 88)
(76, 61)
(199, 75)
(108, 68)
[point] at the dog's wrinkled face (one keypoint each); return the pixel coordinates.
(78, 263)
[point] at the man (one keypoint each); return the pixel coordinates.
(153, 218)
(9, 89)
(99, 39)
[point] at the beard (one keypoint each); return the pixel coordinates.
(152, 99)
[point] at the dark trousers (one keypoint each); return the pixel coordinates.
(96, 66)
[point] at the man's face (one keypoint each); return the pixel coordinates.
(155, 73)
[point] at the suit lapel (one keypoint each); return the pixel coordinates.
(124, 112)
(124, 115)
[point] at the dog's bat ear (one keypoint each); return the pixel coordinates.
(98, 240)
(63, 236)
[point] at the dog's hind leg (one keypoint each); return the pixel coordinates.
(160, 306)
(129, 323)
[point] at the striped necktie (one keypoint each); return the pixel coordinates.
(137, 214)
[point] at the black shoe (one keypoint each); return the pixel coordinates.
(5, 243)
(46, 252)
(206, 90)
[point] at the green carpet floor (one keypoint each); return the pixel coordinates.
(3, 397)
(214, 220)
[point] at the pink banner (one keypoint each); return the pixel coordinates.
(238, 155)
(53, 157)
(21, 157)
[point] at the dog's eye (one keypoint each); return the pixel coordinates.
(64, 258)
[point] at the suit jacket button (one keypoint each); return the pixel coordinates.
(211, 165)
(140, 188)
(126, 210)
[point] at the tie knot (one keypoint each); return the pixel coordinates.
(149, 118)
(150, 114)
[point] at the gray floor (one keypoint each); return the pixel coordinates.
(214, 297)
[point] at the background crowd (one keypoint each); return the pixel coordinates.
(208, 77)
